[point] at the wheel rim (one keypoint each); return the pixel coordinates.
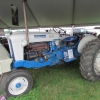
(18, 86)
(97, 63)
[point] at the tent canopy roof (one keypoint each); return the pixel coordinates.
(50, 13)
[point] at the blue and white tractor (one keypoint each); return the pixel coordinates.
(44, 49)
(40, 49)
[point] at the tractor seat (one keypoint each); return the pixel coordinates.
(70, 39)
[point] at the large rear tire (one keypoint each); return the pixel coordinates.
(16, 82)
(90, 61)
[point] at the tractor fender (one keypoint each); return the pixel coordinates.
(84, 41)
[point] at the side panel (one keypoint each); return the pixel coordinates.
(3, 53)
(5, 66)
(5, 61)
(18, 50)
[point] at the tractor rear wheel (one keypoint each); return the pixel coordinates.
(90, 61)
(15, 83)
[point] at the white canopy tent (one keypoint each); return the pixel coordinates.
(50, 13)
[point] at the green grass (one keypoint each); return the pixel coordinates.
(61, 83)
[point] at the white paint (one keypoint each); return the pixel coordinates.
(84, 41)
(70, 54)
(5, 60)
(17, 91)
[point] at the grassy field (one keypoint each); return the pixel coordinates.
(61, 83)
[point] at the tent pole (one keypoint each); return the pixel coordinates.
(72, 30)
(25, 21)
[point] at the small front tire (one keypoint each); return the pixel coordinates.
(16, 82)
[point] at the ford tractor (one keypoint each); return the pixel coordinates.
(36, 50)
(44, 49)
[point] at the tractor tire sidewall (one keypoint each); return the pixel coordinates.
(96, 76)
(13, 75)
(84, 70)
(93, 59)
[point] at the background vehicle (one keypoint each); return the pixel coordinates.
(82, 31)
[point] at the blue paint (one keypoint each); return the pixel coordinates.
(40, 36)
(70, 38)
(36, 64)
(18, 85)
(40, 59)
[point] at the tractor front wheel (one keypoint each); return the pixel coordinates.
(16, 82)
(90, 61)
